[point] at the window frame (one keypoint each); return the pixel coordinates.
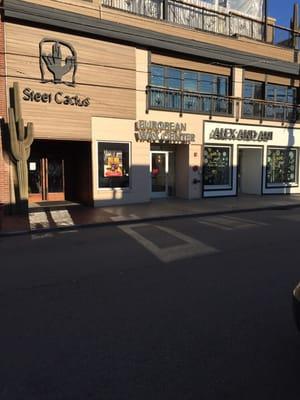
(296, 172)
(227, 187)
(120, 188)
(182, 71)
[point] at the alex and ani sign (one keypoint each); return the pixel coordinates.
(160, 131)
(241, 134)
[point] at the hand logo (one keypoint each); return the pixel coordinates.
(56, 63)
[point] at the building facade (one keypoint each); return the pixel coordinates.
(135, 100)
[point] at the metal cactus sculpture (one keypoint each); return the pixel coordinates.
(21, 138)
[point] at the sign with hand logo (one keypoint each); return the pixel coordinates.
(58, 62)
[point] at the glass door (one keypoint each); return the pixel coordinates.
(55, 179)
(46, 179)
(159, 169)
(35, 180)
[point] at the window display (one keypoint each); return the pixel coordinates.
(113, 165)
(282, 166)
(217, 166)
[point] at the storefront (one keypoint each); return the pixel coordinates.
(249, 159)
(154, 159)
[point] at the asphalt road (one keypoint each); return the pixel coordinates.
(181, 309)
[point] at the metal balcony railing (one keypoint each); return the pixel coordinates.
(270, 111)
(188, 102)
(215, 105)
(196, 17)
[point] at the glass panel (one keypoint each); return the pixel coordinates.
(248, 90)
(281, 94)
(173, 78)
(171, 174)
(158, 172)
(113, 165)
(172, 100)
(292, 95)
(190, 103)
(217, 169)
(258, 90)
(34, 176)
(190, 81)
(157, 98)
(55, 176)
(282, 166)
(157, 75)
(253, 90)
(222, 86)
(206, 104)
(270, 93)
(206, 83)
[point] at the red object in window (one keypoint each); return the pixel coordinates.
(155, 171)
(195, 168)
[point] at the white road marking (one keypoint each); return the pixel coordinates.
(292, 217)
(190, 248)
(67, 231)
(62, 217)
(38, 236)
(229, 223)
(121, 218)
(38, 220)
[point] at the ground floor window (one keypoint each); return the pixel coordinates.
(282, 166)
(113, 165)
(217, 167)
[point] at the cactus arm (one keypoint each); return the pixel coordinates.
(17, 103)
(15, 149)
(29, 137)
(21, 129)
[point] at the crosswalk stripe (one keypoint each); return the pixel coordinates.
(229, 223)
(190, 247)
(62, 217)
(120, 218)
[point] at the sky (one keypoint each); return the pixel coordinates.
(282, 10)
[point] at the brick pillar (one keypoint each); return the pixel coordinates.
(4, 159)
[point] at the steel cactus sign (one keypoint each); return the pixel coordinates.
(58, 65)
(58, 62)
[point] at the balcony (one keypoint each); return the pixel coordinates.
(188, 102)
(200, 18)
(270, 111)
(214, 105)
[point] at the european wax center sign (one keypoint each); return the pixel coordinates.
(160, 131)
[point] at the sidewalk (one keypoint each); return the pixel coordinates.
(68, 216)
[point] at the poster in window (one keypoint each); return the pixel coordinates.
(281, 166)
(113, 163)
(217, 166)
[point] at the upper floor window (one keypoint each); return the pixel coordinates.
(188, 80)
(263, 100)
(281, 94)
(189, 91)
(270, 92)
(253, 90)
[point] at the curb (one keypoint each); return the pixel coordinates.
(143, 220)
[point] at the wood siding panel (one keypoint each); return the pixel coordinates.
(106, 74)
(91, 9)
(188, 64)
(280, 80)
(243, 45)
